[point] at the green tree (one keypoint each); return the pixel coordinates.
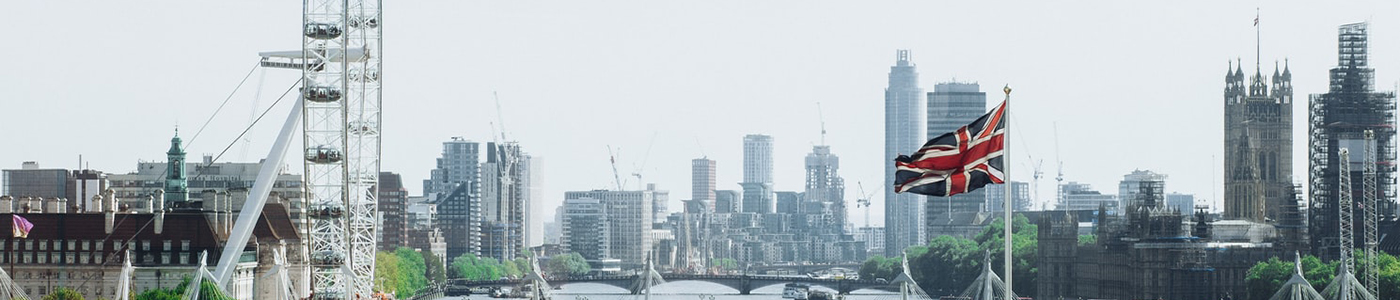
(1024, 243)
(207, 290)
(571, 264)
(414, 271)
(523, 264)
(63, 293)
(510, 269)
(1088, 239)
(387, 271)
(434, 270)
(880, 266)
(727, 264)
(1265, 278)
(468, 266)
(947, 265)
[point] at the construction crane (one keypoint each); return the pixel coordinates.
(1368, 211)
(1344, 208)
(1059, 165)
(499, 116)
(864, 200)
(641, 185)
(612, 158)
(1035, 182)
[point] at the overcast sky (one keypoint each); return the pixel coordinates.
(1130, 85)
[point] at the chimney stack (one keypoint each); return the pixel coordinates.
(109, 200)
(159, 210)
(7, 204)
(96, 204)
(35, 205)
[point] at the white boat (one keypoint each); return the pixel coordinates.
(797, 291)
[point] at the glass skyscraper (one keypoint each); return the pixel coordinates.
(904, 133)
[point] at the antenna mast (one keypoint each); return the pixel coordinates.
(1257, 41)
(822, 119)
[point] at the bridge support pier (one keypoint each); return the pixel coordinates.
(745, 285)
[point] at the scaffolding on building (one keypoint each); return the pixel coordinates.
(1340, 119)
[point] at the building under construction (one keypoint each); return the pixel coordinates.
(1339, 119)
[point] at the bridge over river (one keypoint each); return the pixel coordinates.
(742, 283)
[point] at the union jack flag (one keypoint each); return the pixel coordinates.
(956, 162)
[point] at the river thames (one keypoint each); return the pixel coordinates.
(682, 290)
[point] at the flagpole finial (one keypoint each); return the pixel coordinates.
(1007, 89)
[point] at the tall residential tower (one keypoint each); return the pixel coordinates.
(904, 133)
(758, 174)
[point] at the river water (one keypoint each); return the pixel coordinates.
(684, 290)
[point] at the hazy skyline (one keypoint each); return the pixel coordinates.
(1130, 85)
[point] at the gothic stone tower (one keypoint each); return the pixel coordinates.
(1258, 139)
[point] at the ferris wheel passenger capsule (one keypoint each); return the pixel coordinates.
(322, 31)
(322, 94)
(324, 155)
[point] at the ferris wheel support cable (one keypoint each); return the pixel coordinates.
(221, 105)
(250, 125)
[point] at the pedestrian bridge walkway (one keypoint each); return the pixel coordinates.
(741, 283)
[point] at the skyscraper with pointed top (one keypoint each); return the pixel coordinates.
(176, 184)
(904, 133)
(1258, 144)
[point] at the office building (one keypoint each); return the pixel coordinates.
(459, 164)
(1339, 120)
(904, 134)
(393, 215)
(1081, 196)
(953, 105)
(602, 224)
(31, 181)
(1142, 188)
(728, 201)
(1020, 195)
(1184, 203)
(77, 187)
(534, 199)
(585, 228)
(456, 184)
(874, 238)
(702, 182)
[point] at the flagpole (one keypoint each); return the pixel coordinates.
(1006, 174)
